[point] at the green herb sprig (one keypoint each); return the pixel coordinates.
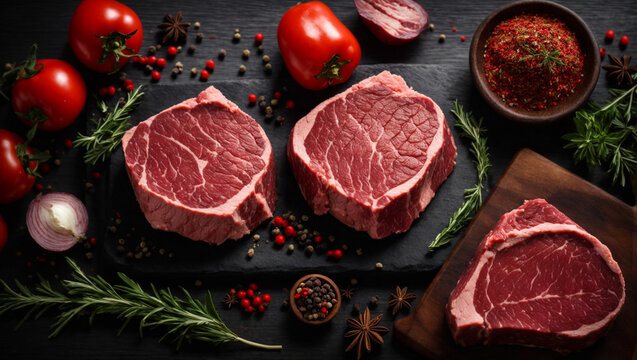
(184, 318)
(109, 129)
(472, 129)
(607, 136)
(548, 58)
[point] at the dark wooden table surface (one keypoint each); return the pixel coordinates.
(46, 23)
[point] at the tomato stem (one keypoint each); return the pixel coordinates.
(332, 68)
(115, 43)
(27, 69)
(36, 117)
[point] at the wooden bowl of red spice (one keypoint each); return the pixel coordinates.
(534, 61)
(315, 299)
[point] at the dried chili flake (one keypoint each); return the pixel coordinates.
(533, 62)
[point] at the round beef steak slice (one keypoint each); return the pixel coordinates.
(373, 156)
(202, 168)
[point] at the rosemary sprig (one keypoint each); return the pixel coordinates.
(109, 129)
(548, 58)
(608, 135)
(472, 129)
(184, 318)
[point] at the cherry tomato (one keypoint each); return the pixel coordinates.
(3, 233)
(105, 22)
(57, 92)
(317, 48)
(15, 183)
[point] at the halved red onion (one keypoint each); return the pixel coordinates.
(393, 22)
(56, 221)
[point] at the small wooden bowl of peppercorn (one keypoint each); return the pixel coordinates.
(315, 299)
(534, 61)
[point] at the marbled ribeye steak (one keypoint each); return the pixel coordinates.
(373, 156)
(202, 168)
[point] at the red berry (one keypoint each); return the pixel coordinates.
(210, 64)
(318, 239)
(127, 82)
(111, 90)
(129, 87)
(324, 310)
(155, 75)
(289, 231)
(330, 253)
(337, 254)
(250, 293)
(253, 286)
(252, 98)
(284, 223)
(277, 221)
(245, 303)
(249, 309)
(454, 29)
(152, 60)
(279, 240)
(93, 241)
(257, 301)
(241, 294)
(68, 143)
(462, 38)
(623, 41)
(297, 295)
(258, 37)
(39, 187)
(135, 59)
(277, 94)
(261, 308)
(96, 175)
(204, 75)
(610, 34)
(103, 91)
(171, 51)
(266, 298)
(289, 104)
(232, 291)
(161, 62)
(143, 60)
(602, 52)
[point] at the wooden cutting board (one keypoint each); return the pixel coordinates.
(531, 176)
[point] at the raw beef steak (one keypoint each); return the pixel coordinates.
(537, 279)
(202, 168)
(373, 156)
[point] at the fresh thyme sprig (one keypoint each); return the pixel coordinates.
(608, 135)
(184, 318)
(472, 129)
(548, 58)
(109, 129)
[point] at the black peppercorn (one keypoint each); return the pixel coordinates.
(191, 49)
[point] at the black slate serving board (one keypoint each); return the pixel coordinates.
(398, 253)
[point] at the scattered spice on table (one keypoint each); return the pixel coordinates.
(230, 298)
(373, 302)
(347, 292)
(365, 331)
(620, 69)
(173, 28)
(400, 300)
(533, 62)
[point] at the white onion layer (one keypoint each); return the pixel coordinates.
(56, 221)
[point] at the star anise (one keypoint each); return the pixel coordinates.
(347, 293)
(620, 69)
(174, 30)
(401, 300)
(365, 331)
(230, 299)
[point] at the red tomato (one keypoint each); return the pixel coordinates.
(3, 233)
(119, 28)
(57, 91)
(14, 180)
(317, 48)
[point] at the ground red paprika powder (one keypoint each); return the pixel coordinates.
(533, 62)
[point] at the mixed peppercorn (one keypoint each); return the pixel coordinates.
(315, 299)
